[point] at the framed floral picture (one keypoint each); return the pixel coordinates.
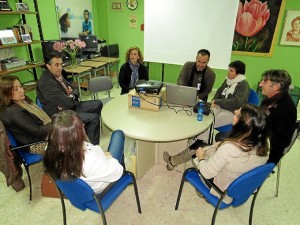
(256, 28)
(291, 29)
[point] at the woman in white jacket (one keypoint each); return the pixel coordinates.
(69, 156)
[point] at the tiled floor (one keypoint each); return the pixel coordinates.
(158, 191)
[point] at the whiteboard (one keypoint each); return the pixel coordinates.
(175, 30)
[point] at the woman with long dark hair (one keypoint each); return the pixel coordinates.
(68, 156)
(24, 119)
(244, 149)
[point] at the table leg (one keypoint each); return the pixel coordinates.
(78, 86)
(145, 157)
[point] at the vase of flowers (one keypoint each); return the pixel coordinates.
(71, 47)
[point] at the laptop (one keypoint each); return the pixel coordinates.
(181, 95)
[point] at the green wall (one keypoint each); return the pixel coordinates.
(284, 57)
(114, 28)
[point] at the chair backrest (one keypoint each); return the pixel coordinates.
(27, 157)
(80, 194)
(242, 187)
(11, 139)
(295, 135)
(253, 97)
(102, 83)
(38, 102)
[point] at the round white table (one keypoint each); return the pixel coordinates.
(150, 128)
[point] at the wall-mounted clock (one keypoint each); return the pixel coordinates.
(132, 4)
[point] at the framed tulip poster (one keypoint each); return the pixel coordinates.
(256, 27)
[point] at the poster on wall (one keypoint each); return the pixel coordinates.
(256, 28)
(291, 30)
(132, 21)
(75, 17)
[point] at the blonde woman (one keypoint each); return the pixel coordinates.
(133, 70)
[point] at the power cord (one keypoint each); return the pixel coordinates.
(188, 110)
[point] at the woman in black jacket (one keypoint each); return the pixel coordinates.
(25, 120)
(133, 70)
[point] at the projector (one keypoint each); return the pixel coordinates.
(150, 87)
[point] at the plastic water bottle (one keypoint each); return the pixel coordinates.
(200, 111)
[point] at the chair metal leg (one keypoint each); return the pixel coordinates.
(278, 178)
(252, 206)
(63, 206)
(180, 190)
(29, 180)
(101, 210)
(213, 219)
(136, 193)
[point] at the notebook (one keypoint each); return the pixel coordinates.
(181, 95)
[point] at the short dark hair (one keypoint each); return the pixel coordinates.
(281, 77)
(62, 22)
(86, 11)
(50, 56)
(239, 66)
(204, 52)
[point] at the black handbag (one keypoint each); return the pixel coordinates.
(206, 108)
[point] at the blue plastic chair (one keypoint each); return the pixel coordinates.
(38, 102)
(27, 158)
(252, 99)
(239, 190)
(82, 196)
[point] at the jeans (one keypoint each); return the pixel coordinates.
(90, 112)
(116, 146)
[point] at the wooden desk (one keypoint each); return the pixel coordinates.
(110, 62)
(79, 72)
(150, 129)
(96, 65)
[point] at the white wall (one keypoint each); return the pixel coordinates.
(175, 30)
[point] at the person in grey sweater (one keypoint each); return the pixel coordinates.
(198, 74)
(232, 94)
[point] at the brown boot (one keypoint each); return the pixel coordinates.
(18, 184)
(181, 157)
(167, 158)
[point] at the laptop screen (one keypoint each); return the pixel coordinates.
(181, 95)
